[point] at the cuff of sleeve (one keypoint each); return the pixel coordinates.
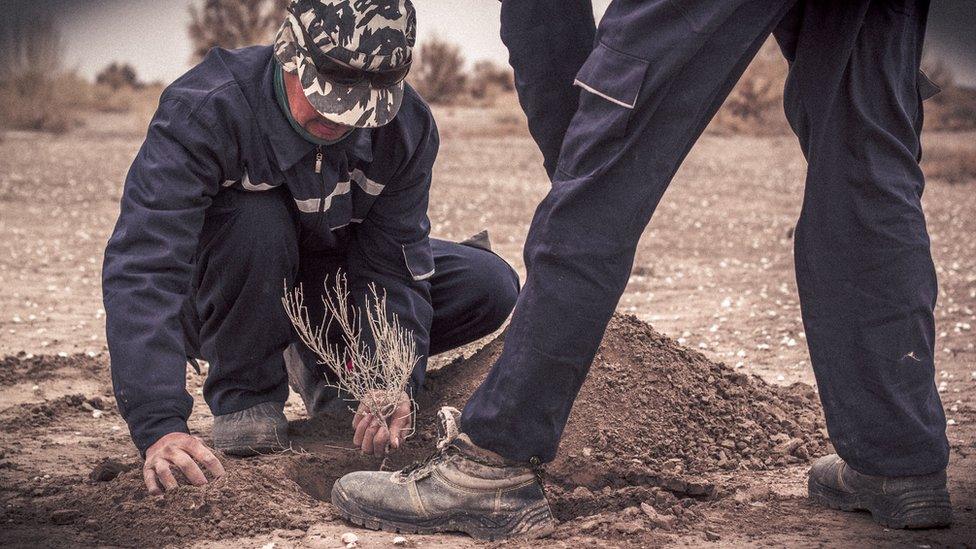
(150, 422)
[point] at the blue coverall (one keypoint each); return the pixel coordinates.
(647, 82)
(225, 204)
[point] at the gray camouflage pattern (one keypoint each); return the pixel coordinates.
(365, 34)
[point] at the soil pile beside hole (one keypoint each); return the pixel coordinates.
(655, 414)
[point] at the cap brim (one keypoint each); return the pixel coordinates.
(361, 106)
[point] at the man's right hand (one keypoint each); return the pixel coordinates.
(183, 452)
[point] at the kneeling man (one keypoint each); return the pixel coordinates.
(269, 165)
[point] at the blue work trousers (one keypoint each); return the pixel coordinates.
(615, 112)
(252, 246)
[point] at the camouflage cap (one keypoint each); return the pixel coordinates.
(371, 35)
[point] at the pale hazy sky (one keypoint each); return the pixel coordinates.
(151, 34)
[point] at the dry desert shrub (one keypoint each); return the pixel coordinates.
(375, 375)
(36, 93)
(118, 76)
(489, 79)
(952, 162)
(954, 108)
(233, 23)
(755, 105)
(438, 71)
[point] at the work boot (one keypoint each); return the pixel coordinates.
(896, 502)
(319, 398)
(257, 430)
(459, 488)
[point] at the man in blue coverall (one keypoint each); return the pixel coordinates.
(271, 164)
(615, 110)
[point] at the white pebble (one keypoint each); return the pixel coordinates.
(349, 539)
(399, 540)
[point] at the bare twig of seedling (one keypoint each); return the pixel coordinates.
(376, 377)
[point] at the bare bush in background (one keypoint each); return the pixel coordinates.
(438, 71)
(755, 105)
(489, 79)
(376, 377)
(117, 76)
(35, 90)
(234, 24)
(954, 108)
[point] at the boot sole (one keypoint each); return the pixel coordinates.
(913, 509)
(534, 522)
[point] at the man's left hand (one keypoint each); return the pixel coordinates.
(375, 436)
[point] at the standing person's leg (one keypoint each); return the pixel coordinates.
(547, 41)
(659, 72)
(234, 319)
(864, 270)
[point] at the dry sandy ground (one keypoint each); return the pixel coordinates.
(714, 270)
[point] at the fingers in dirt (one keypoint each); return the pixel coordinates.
(201, 454)
(190, 470)
(165, 476)
(149, 476)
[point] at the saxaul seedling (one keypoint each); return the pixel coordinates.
(375, 375)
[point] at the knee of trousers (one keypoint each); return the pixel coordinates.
(253, 251)
(495, 287)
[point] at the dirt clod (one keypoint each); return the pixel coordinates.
(64, 516)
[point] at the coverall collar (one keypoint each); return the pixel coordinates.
(288, 146)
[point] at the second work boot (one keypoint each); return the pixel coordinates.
(257, 430)
(896, 502)
(460, 488)
(309, 382)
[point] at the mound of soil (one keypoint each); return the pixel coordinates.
(654, 414)
(652, 424)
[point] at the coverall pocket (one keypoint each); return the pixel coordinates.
(419, 259)
(611, 82)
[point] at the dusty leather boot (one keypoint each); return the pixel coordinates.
(319, 398)
(257, 430)
(896, 502)
(460, 488)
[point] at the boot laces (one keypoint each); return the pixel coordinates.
(448, 430)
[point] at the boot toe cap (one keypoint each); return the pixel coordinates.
(372, 490)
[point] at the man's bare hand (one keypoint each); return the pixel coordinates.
(376, 437)
(182, 452)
